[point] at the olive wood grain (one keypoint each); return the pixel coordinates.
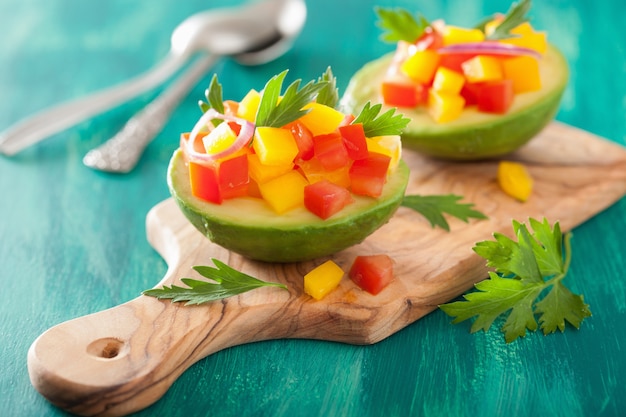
(123, 359)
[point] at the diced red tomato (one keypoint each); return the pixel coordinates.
(221, 180)
(372, 273)
(304, 140)
(324, 198)
(470, 93)
(330, 150)
(347, 119)
(495, 96)
(403, 94)
(430, 39)
(368, 175)
(354, 140)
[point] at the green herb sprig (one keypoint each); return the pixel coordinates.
(516, 15)
(433, 208)
(214, 97)
(273, 112)
(376, 124)
(400, 25)
(527, 282)
(227, 283)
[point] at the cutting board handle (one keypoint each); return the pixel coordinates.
(123, 359)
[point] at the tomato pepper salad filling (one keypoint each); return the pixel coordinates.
(445, 68)
(291, 149)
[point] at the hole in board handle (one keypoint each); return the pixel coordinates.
(106, 348)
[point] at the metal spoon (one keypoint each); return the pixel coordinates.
(254, 33)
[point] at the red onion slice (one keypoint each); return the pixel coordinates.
(488, 48)
(245, 136)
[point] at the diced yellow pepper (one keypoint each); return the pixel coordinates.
(524, 72)
(219, 139)
(284, 193)
(453, 35)
(528, 38)
(321, 119)
(314, 171)
(515, 180)
(444, 107)
(482, 68)
(322, 280)
(389, 145)
(263, 173)
(249, 105)
(274, 146)
(448, 81)
(421, 66)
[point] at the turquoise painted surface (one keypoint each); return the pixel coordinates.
(73, 240)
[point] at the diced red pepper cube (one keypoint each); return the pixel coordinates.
(221, 180)
(330, 150)
(368, 175)
(304, 140)
(403, 94)
(372, 273)
(495, 96)
(325, 198)
(354, 140)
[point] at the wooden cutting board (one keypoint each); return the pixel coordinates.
(123, 359)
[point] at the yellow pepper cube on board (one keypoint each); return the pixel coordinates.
(454, 35)
(274, 146)
(524, 72)
(321, 119)
(261, 173)
(448, 81)
(444, 107)
(515, 180)
(322, 280)
(421, 66)
(482, 68)
(249, 105)
(390, 145)
(284, 193)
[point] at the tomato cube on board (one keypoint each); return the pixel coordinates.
(323, 279)
(368, 176)
(325, 198)
(354, 140)
(372, 273)
(330, 150)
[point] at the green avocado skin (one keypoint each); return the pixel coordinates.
(472, 138)
(289, 243)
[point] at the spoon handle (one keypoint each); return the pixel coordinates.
(121, 153)
(47, 122)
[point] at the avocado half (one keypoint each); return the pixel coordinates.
(248, 226)
(474, 135)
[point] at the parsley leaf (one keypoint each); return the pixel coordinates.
(228, 282)
(525, 270)
(273, 112)
(329, 93)
(434, 206)
(400, 25)
(513, 18)
(387, 123)
(214, 97)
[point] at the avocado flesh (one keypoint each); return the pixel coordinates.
(248, 226)
(474, 135)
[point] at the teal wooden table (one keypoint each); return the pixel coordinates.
(73, 240)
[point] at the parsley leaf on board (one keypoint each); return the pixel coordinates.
(227, 283)
(388, 123)
(516, 15)
(273, 112)
(434, 206)
(400, 25)
(527, 283)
